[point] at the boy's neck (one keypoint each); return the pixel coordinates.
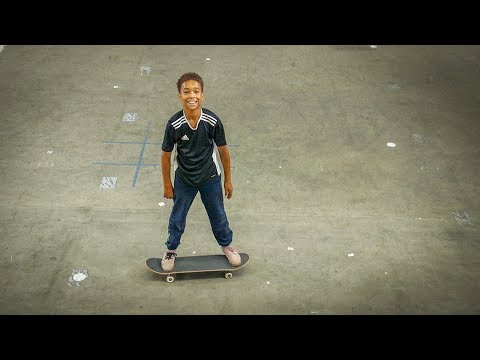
(193, 115)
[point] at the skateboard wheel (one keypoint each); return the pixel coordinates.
(170, 279)
(228, 275)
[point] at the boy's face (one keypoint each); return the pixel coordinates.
(191, 95)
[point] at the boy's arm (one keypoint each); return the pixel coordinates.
(167, 181)
(227, 182)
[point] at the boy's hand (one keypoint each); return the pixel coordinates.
(228, 189)
(168, 192)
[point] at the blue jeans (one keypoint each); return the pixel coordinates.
(212, 198)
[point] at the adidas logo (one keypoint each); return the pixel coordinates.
(185, 137)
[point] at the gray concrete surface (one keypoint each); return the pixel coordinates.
(335, 221)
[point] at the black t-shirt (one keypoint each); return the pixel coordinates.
(196, 157)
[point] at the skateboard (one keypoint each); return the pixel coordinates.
(196, 264)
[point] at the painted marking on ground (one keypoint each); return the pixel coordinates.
(462, 218)
(108, 182)
(420, 139)
(130, 116)
(145, 70)
(139, 163)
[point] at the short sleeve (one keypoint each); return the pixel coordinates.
(168, 143)
(219, 136)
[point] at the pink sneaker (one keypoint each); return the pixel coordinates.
(232, 255)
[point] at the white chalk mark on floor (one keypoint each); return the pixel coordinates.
(420, 139)
(462, 218)
(108, 183)
(130, 116)
(145, 70)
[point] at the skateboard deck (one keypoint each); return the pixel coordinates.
(196, 264)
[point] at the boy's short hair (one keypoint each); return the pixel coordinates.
(189, 76)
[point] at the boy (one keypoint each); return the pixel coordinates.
(195, 131)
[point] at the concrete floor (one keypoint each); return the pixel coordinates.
(335, 221)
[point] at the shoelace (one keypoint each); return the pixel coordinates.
(229, 248)
(169, 256)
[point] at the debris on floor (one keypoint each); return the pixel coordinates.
(76, 277)
(145, 70)
(130, 116)
(108, 182)
(420, 139)
(462, 218)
